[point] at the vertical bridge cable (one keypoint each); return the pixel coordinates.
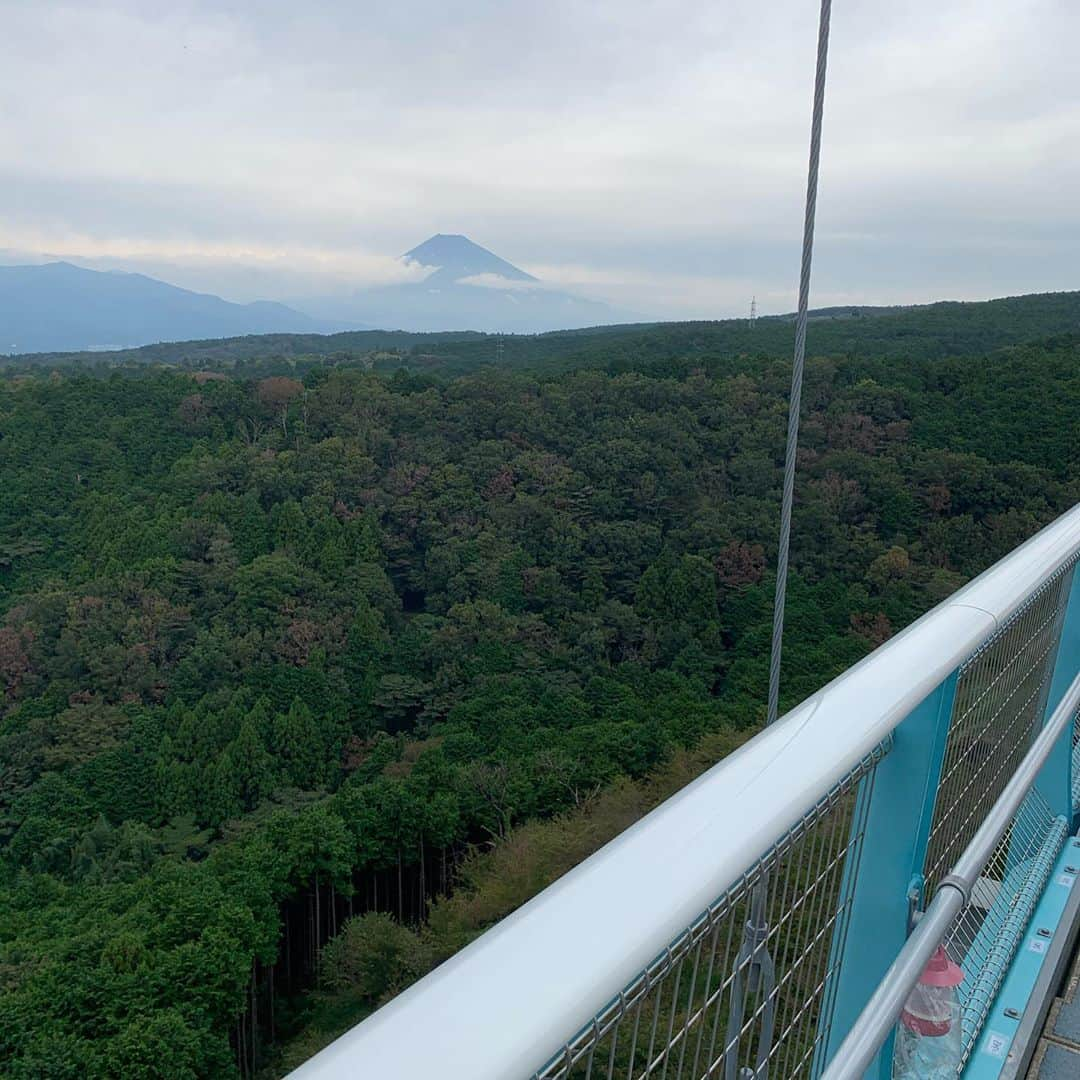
(755, 965)
(797, 368)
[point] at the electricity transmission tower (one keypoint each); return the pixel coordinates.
(753, 311)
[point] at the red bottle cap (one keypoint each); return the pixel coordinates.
(941, 971)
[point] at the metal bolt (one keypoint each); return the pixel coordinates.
(1044, 932)
(1013, 1014)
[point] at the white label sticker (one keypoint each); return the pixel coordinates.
(996, 1044)
(1038, 945)
(1067, 880)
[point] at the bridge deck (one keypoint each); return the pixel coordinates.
(1057, 1056)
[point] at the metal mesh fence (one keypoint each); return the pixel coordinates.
(1000, 699)
(1001, 696)
(747, 989)
(986, 933)
(1076, 765)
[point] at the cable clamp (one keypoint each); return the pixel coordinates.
(959, 884)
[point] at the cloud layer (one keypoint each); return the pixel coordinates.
(648, 153)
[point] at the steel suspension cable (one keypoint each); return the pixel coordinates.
(754, 967)
(795, 400)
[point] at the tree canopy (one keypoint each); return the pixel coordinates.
(277, 651)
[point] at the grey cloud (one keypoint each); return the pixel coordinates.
(656, 150)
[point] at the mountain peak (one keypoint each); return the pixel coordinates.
(456, 257)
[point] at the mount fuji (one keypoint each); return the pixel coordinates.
(467, 287)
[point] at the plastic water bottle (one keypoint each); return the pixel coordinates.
(928, 1037)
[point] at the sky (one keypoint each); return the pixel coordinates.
(650, 153)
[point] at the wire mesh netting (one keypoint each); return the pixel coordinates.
(747, 989)
(999, 705)
(1076, 765)
(999, 708)
(985, 935)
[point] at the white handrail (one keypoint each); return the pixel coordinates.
(499, 1008)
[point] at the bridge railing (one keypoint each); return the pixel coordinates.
(982, 908)
(741, 928)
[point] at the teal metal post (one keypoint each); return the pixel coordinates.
(897, 832)
(1056, 779)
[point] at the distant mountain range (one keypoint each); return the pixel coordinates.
(59, 307)
(904, 334)
(471, 288)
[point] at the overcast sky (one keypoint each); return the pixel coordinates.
(649, 153)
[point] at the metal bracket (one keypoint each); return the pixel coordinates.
(754, 977)
(916, 901)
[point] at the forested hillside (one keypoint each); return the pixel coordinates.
(931, 331)
(276, 652)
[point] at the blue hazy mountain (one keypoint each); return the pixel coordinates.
(468, 287)
(60, 307)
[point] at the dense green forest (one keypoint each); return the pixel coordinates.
(289, 663)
